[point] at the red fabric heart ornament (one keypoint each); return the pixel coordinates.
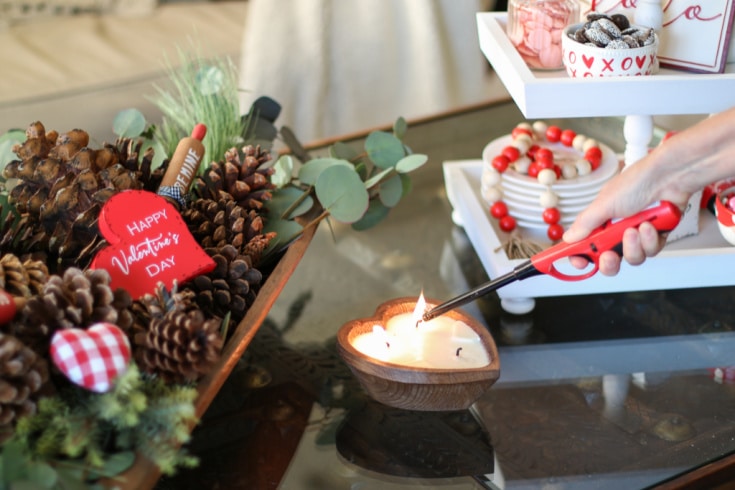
(149, 244)
(91, 358)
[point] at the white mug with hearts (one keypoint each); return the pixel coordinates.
(585, 60)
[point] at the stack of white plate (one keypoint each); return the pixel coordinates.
(521, 192)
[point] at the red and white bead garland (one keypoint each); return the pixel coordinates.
(526, 156)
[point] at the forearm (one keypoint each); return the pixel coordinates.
(696, 157)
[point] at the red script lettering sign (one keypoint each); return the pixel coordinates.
(149, 243)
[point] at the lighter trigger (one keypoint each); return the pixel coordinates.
(554, 272)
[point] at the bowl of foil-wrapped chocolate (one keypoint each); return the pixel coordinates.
(609, 46)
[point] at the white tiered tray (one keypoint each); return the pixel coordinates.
(702, 260)
(547, 94)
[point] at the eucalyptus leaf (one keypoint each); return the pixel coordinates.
(210, 80)
(286, 230)
(310, 171)
(128, 123)
(42, 474)
(375, 214)
(7, 142)
(283, 171)
(343, 151)
(341, 192)
(377, 177)
(384, 149)
(362, 169)
(399, 128)
(284, 198)
(391, 191)
(411, 162)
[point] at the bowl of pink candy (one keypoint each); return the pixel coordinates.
(725, 212)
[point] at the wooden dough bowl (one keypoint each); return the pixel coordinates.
(414, 388)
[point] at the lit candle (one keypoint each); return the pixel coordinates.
(440, 343)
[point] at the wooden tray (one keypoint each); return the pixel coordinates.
(144, 473)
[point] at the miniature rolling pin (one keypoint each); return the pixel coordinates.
(183, 167)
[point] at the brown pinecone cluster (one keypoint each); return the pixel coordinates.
(226, 218)
(60, 186)
(22, 374)
(51, 235)
(173, 339)
(22, 370)
(75, 299)
(22, 279)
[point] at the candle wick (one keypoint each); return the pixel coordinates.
(387, 344)
(457, 353)
(417, 322)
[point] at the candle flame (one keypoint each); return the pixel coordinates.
(418, 312)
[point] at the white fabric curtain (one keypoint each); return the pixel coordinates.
(338, 66)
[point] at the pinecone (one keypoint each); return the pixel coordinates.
(22, 374)
(216, 223)
(230, 287)
(155, 306)
(22, 279)
(75, 300)
(247, 181)
(61, 187)
(181, 346)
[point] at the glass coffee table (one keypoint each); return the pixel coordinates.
(617, 390)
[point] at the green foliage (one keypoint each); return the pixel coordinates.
(351, 186)
(128, 123)
(7, 142)
(201, 91)
(131, 123)
(342, 193)
(82, 436)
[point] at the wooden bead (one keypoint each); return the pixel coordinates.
(589, 143)
(539, 127)
(548, 199)
(490, 177)
(578, 142)
(523, 143)
(521, 165)
(546, 176)
(568, 171)
(583, 167)
(492, 194)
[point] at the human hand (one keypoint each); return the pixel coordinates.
(638, 244)
(625, 195)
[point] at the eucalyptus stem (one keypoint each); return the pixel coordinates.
(297, 202)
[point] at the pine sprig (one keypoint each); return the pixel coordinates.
(96, 432)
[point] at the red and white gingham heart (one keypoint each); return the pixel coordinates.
(92, 358)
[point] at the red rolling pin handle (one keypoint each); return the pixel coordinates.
(664, 216)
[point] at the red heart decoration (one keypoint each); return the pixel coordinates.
(91, 358)
(640, 60)
(588, 60)
(149, 244)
